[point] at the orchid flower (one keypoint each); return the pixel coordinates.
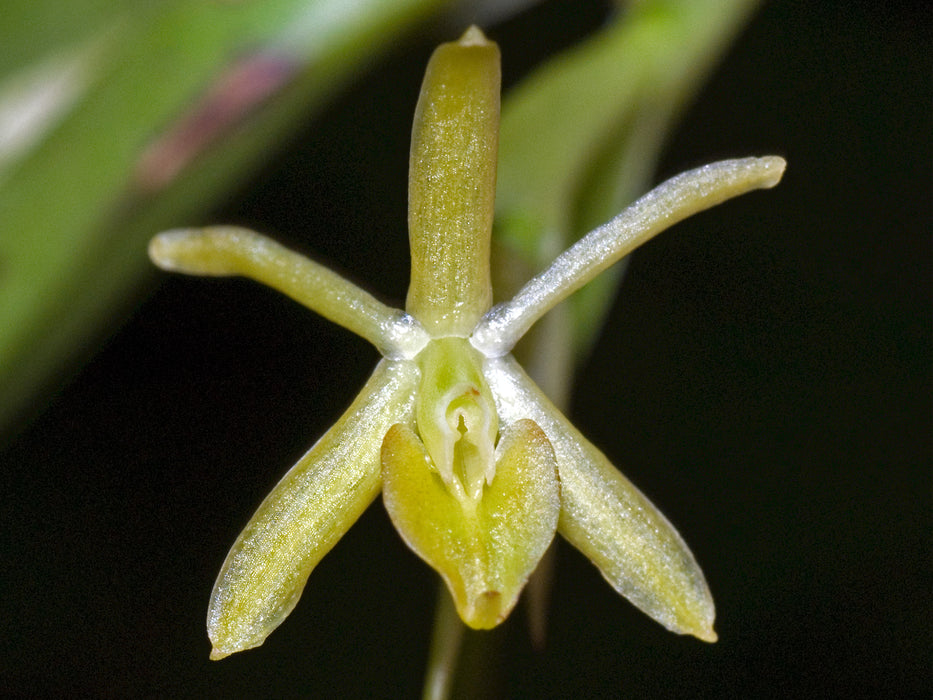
(478, 470)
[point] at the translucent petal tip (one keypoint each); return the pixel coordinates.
(473, 36)
(217, 655)
(161, 249)
(773, 170)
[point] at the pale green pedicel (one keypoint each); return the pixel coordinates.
(477, 468)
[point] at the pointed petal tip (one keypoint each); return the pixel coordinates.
(217, 655)
(223, 646)
(485, 611)
(699, 624)
(473, 36)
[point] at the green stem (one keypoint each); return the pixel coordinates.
(446, 641)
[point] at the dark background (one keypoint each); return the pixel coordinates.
(764, 377)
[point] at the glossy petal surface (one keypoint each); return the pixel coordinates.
(672, 201)
(604, 516)
(452, 185)
(306, 513)
(231, 250)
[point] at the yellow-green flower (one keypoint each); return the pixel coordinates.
(477, 468)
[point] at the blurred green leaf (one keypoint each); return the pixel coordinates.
(31, 28)
(161, 108)
(580, 138)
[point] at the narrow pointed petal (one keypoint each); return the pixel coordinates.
(452, 185)
(307, 512)
(665, 205)
(229, 250)
(484, 549)
(604, 516)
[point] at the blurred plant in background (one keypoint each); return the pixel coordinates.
(121, 118)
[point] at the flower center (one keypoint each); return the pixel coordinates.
(456, 416)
